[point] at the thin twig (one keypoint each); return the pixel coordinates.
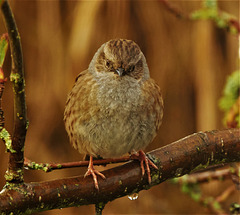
(225, 194)
(3, 51)
(214, 203)
(2, 119)
(173, 9)
(48, 167)
(14, 173)
(203, 177)
(232, 22)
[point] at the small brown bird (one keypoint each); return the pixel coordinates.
(114, 107)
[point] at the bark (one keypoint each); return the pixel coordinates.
(14, 173)
(187, 155)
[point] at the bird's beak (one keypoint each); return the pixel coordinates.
(120, 71)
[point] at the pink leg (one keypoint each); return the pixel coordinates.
(94, 173)
(141, 156)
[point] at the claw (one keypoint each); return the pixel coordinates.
(94, 173)
(141, 156)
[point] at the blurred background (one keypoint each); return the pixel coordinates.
(190, 61)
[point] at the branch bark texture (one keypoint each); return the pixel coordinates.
(14, 173)
(187, 155)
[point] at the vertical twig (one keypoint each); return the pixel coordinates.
(3, 51)
(14, 173)
(2, 81)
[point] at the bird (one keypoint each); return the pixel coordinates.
(114, 107)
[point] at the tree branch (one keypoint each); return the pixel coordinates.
(48, 167)
(202, 177)
(173, 9)
(189, 154)
(222, 19)
(14, 173)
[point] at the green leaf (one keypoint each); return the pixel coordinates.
(210, 4)
(210, 11)
(205, 13)
(217, 205)
(3, 48)
(231, 91)
(193, 190)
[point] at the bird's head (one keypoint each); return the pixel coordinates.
(121, 58)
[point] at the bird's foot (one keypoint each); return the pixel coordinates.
(94, 173)
(141, 156)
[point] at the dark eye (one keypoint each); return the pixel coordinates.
(108, 63)
(131, 68)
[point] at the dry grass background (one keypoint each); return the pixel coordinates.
(189, 60)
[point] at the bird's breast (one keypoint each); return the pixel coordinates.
(123, 122)
(120, 94)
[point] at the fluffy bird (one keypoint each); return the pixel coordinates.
(114, 107)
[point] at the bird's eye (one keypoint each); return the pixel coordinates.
(107, 63)
(131, 68)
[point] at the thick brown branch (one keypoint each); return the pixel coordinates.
(194, 152)
(15, 168)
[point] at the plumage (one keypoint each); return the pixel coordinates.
(114, 106)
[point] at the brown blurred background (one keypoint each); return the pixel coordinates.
(189, 60)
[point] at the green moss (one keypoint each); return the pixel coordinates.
(154, 159)
(5, 136)
(178, 172)
(234, 208)
(46, 168)
(198, 149)
(19, 116)
(10, 176)
(27, 124)
(99, 207)
(37, 166)
(155, 177)
(59, 166)
(201, 166)
(15, 78)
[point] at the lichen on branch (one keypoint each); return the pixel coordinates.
(173, 160)
(14, 172)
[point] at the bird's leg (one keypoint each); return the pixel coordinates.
(141, 156)
(94, 173)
